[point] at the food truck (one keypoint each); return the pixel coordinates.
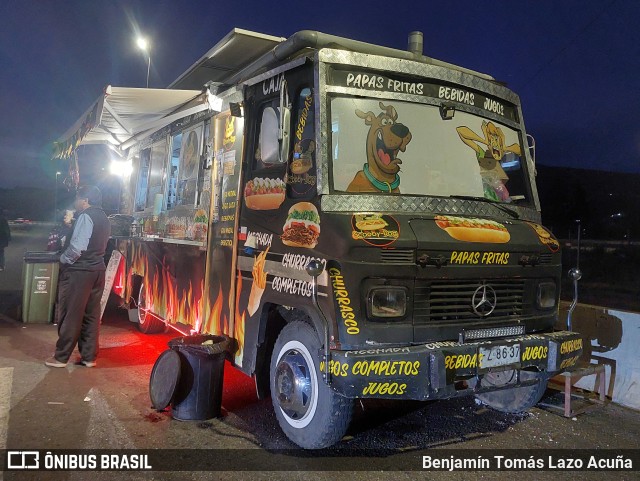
(361, 221)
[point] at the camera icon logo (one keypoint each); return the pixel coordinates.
(23, 460)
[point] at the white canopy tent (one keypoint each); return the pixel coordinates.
(122, 114)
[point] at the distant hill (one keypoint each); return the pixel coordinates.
(38, 204)
(607, 203)
(33, 203)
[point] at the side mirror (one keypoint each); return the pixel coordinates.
(575, 274)
(314, 268)
(269, 135)
(284, 133)
(285, 122)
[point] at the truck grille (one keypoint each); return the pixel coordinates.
(545, 259)
(397, 256)
(450, 301)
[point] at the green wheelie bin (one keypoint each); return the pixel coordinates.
(40, 283)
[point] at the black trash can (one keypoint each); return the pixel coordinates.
(198, 394)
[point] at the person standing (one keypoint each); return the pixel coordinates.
(81, 281)
(5, 237)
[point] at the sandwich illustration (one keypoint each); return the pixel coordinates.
(370, 222)
(302, 228)
(473, 230)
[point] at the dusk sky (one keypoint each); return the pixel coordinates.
(575, 64)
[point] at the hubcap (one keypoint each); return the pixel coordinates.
(500, 378)
(293, 385)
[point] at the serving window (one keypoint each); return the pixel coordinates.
(143, 180)
(189, 166)
(172, 171)
(156, 173)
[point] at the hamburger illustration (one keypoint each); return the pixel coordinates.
(302, 227)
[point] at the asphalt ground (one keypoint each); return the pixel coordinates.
(108, 407)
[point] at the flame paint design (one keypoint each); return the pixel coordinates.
(136, 268)
(188, 305)
(238, 327)
(163, 296)
(216, 323)
(137, 259)
(118, 280)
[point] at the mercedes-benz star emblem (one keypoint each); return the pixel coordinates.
(484, 300)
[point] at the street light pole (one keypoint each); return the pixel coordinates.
(55, 200)
(143, 45)
(148, 68)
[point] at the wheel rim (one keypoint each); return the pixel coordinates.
(296, 384)
(142, 311)
(500, 378)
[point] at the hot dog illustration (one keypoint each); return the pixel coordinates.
(264, 194)
(473, 229)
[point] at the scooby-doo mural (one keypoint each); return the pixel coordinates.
(434, 159)
(385, 139)
(493, 140)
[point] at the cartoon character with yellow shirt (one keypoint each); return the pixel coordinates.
(490, 148)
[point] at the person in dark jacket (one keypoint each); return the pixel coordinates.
(5, 237)
(81, 281)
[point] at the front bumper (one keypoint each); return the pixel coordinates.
(436, 370)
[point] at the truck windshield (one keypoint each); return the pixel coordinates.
(396, 147)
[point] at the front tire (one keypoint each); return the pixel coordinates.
(517, 399)
(310, 413)
(147, 322)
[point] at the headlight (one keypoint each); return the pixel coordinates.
(387, 302)
(546, 298)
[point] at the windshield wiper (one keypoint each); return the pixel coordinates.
(499, 205)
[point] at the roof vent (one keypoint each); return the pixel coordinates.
(415, 43)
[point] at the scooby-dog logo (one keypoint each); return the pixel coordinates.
(385, 138)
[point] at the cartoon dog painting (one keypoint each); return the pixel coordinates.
(493, 140)
(385, 138)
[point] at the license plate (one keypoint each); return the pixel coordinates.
(499, 355)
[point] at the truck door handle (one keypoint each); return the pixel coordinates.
(426, 260)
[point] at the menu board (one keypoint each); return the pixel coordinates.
(227, 158)
(227, 132)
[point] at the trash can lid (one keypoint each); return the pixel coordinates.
(164, 379)
(204, 344)
(41, 257)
